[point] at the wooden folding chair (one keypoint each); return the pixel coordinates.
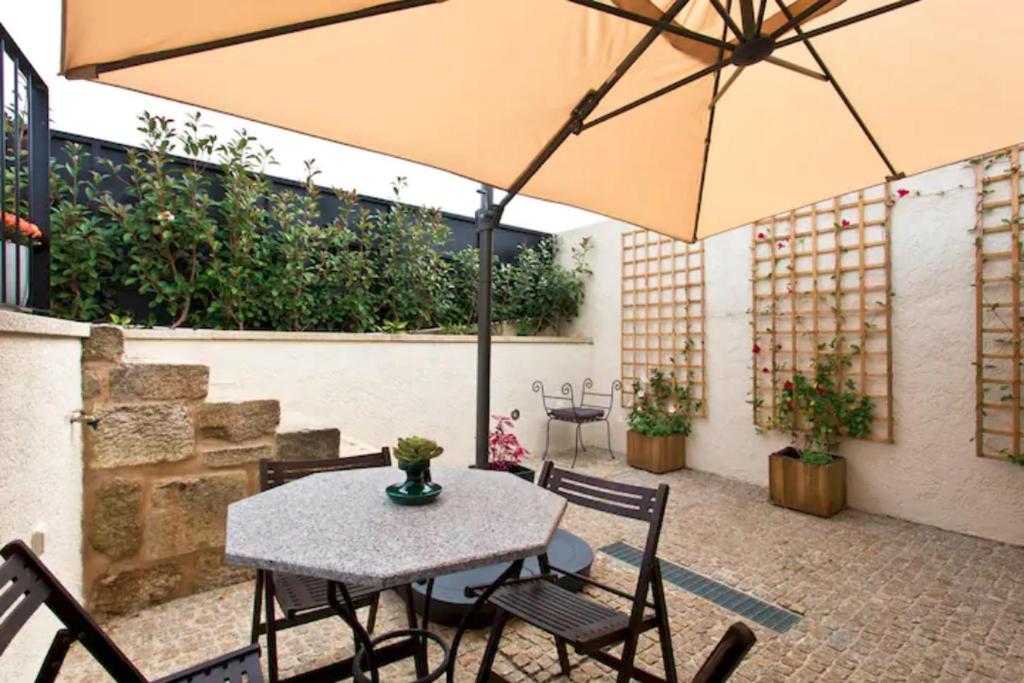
(26, 585)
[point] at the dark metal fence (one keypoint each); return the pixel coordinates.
(24, 190)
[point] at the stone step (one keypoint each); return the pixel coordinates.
(220, 453)
(238, 422)
(140, 382)
(309, 444)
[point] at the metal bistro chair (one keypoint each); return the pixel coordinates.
(304, 599)
(26, 585)
(594, 406)
(592, 627)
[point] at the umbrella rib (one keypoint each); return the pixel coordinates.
(93, 70)
(747, 14)
(667, 27)
(729, 21)
(796, 67)
(813, 33)
(706, 71)
(794, 22)
(725, 88)
(760, 16)
(715, 95)
(574, 124)
(839, 91)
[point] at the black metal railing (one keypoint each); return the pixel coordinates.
(24, 181)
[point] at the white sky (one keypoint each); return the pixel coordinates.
(109, 113)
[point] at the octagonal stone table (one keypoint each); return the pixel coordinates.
(340, 526)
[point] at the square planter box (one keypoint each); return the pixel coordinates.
(658, 454)
(815, 489)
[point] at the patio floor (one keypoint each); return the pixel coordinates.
(881, 599)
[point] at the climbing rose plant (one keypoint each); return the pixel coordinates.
(824, 408)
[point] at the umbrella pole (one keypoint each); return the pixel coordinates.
(487, 218)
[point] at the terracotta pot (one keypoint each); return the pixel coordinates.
(658, 454)
(815, 489)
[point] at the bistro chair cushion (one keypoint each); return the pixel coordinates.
(576, 414)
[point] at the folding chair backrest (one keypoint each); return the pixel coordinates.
(25, 585)
(727, 655)
(625, 500)
(274, 473)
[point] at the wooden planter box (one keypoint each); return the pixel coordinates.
(815, 489)
(656, 454)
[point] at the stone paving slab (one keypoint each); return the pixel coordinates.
(881, 599)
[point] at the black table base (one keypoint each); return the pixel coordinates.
(449, 604)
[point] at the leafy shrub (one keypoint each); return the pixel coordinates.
(232, 253)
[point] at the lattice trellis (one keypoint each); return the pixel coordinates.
(662, 308)
(821, 273)
(998, 295)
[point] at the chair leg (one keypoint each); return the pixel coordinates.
(579, 429)
(575, 448)
(547, 440)
(493, 641)
(664, 629)
(257, 605)
(420, 657)
(628, 655)
(271, 619)
(371, 620)
(563, 656)
(608, 426)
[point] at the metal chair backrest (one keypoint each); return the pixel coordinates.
(554, 401)
(274, 473)
(727, 655)
(26, 585)
(597, 399)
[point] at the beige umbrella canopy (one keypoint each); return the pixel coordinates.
(688, 117)
(864, 90)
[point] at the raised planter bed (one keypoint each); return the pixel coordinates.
(815, 489)
(658, 454)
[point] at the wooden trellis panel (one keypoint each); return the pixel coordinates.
(821, 273)
(662, 308)
(998, 296)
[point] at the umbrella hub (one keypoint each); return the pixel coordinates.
(753, 51)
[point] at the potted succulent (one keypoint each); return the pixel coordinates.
(822, 410)
(414, 454)
(660, 421)
(505, 451)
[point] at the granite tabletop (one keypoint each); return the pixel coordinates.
(341, 526)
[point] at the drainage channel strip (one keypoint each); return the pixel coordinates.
(726, 597)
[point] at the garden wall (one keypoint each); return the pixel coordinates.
(41, 456)
(378, 387)
(931, 473)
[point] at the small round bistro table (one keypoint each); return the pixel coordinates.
(340, 526)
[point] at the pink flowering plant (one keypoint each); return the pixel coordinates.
(506, 452)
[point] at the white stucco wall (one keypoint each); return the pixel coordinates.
(931, 473)
(376, 388)
(40, 459)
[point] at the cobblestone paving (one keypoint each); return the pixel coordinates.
(882, 599)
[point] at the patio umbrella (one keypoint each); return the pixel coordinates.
(687, 117)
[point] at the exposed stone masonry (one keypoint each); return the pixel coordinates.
(161, 466)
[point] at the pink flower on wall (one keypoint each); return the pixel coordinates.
(757, 348)
(902, 192)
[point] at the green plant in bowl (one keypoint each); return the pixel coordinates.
(414, 454)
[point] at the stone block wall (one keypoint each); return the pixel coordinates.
(162, 465)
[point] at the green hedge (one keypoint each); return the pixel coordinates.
(259, 259)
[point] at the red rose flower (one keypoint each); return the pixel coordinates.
(757, 348)
(902, 192)
(764, 370)
(780, 245)
(846, 223)
(760, 235)
(788, 386)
